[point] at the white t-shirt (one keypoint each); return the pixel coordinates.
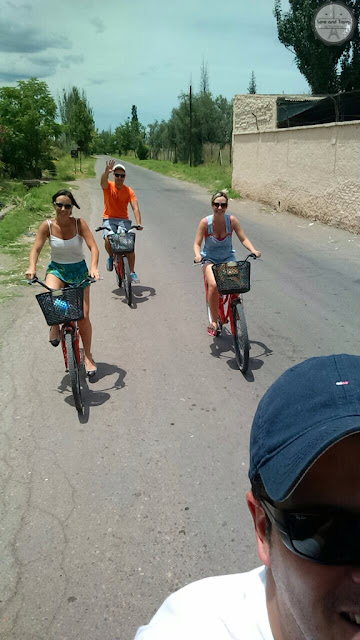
(220, 608)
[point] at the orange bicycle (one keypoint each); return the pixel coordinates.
(232, 280)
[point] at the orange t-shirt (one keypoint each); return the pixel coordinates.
(116, 201)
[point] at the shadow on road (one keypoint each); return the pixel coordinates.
(93, 397)
(138, 294)
(221, 346)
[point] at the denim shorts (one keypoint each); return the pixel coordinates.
(113, 223)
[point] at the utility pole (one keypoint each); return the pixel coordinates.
(190, 141)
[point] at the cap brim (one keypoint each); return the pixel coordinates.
(282, 472)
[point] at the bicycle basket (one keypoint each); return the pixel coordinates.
(62, 305)
(232, 277)
(122, 244)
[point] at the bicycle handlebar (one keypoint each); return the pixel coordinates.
(133, 226)
(250, 255)
(68, 285)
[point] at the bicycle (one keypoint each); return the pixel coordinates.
(232, 280)
(121, 243)
(65, 307)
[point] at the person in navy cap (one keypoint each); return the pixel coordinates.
(305, 505)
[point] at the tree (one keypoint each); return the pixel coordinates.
(252, 83)
(104, 142)
(327, 69)
(77, 118)
(28, 114)
(204, 78)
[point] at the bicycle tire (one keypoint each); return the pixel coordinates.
(127, 281)
(240, 337)
(74, 373)
(117, 274)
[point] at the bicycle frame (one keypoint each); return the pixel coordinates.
(226, 302)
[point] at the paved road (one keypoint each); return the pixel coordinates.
(102, 517)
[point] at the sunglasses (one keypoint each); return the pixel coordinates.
(119, 175)
(220, 205)
(60, 205)
(327, 535)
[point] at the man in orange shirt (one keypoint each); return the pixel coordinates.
(117, 196)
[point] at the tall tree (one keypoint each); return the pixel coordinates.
(28, 113)
(252, 83)
(77, 118)
(204, 78)
(327, 69)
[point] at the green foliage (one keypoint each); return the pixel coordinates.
(252, 83)
(142, 151)
(130, 134)
(77, 119)
(327, 69)
(104, 142)
(210, 122)
(27, 115)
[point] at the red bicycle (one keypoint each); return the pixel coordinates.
(232, 280)
(65, 307)
(121, 243)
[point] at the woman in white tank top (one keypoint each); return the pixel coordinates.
(66, 235)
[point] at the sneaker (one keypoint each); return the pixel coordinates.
(110, 264)
(134, 277)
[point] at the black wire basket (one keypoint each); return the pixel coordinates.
(122, 243)
(232, 277)
(62, 305)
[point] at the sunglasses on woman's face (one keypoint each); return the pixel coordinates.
(60, 205)
(327, 535)
(119, 175)
(220, 205)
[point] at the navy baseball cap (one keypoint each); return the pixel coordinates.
(310, 407)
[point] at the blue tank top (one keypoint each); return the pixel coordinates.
(215, 250)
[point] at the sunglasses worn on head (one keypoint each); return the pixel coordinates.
(327, 535)
(218, 205)
(60, 205)
(119, 175)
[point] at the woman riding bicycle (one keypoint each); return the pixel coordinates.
(217, 230)
(66, 235)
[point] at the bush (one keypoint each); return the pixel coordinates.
(142, 151)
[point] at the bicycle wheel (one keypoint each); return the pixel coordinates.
(127, 281)
(74, 373)
(117, 265)
(240, 337)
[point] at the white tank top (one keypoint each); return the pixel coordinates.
(66, 251)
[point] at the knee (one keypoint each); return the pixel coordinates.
(212, 288)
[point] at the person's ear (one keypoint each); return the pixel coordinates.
(258, 516)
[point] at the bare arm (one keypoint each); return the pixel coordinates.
(198, 239)
(104, 177)
(92, 246)
(40, 238)
(137, 214)
(242, 237)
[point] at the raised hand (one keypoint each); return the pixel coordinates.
(109, 166)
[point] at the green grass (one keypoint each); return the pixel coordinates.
(65, 167)
(213, 177)
(32, 208)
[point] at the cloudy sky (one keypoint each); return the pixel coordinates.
(144, 52)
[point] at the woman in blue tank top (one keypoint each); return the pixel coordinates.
(217, 231)
(66, 236)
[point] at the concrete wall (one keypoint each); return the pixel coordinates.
(258, 112)
(311, 171)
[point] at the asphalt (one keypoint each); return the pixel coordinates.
(103, 516)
